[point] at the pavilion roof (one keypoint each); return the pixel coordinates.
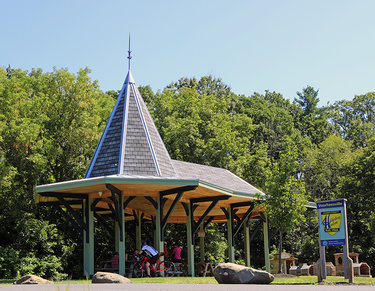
(130, 143)
(132, 157)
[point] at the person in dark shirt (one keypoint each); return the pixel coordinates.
(152, 255)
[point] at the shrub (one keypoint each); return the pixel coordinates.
(9, 262)
(47, 267)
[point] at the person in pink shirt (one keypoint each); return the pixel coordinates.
(176, 253)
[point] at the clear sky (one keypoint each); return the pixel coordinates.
(252, 46)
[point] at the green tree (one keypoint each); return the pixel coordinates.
(354, 120)
(201, 128)
(287, 200)
(313, 120)
(49, 126)
(358, 187)
(324, 165)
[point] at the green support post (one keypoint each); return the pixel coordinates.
(189, 241)
(246, 230)
(159, 217)
(201, 243)
(88, 239)
(230, 236)
(121, 241)
(117, 235)
(266, 246)
(138, 231)
(159, 246)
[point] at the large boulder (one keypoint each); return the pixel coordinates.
(32, 279)
(105, 277)
(229, 273)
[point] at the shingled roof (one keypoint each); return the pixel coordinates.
(131, 146)
(130, 143)
(215, 176)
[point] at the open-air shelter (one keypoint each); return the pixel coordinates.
(132, 177)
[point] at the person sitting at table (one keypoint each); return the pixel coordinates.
(176, 253)
(166, 254)
(115, 261)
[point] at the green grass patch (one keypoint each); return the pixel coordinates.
(314, 280)
(73, 282)
(176, 280)
(6, 281)
(301, 280)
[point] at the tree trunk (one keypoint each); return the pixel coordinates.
(280, 250)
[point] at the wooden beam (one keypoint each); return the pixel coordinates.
(171, 208)
(96, 201)
(201, 219)
(242, 204)
(208, 221)
(58, 203)
(225, 212)
(153, 202)
(74, 214)
(76, 226)
(242, 221)
(64, 195)
(113, 189)
(178, 190)
(209, 199)
(127, 201)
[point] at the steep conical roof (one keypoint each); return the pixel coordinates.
(130, 143)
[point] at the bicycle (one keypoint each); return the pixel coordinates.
(138, 268)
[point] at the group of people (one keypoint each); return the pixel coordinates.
(176, 253)
(152, 255)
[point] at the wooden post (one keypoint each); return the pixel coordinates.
(117, 235)
(348, 262)
(201, 244)
(88, 239)
(159, 246)
(121, 241)
(138, 231)
(322, 274)
(230, 235)
(246, 230)
(189, 240)
(266, 246)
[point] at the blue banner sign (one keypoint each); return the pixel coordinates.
(331, 222)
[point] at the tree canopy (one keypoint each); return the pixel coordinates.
(50, 123)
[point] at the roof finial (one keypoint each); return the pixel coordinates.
(129, 56)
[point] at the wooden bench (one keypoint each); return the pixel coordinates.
(176, 270)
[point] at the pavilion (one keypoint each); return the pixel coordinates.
(132, 177)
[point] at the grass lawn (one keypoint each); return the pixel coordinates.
(211, 280)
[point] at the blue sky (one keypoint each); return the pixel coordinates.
(253, 46)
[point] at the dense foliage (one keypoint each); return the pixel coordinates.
(295, 151)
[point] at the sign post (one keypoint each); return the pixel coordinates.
(333, 231)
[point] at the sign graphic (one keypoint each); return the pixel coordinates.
(331, 222)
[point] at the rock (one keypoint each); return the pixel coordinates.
(229, 273)
(105, 277)
(32, 279)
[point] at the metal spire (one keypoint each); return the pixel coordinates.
(129, 54)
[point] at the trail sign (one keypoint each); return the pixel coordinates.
(332, 222)
(333, 231)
